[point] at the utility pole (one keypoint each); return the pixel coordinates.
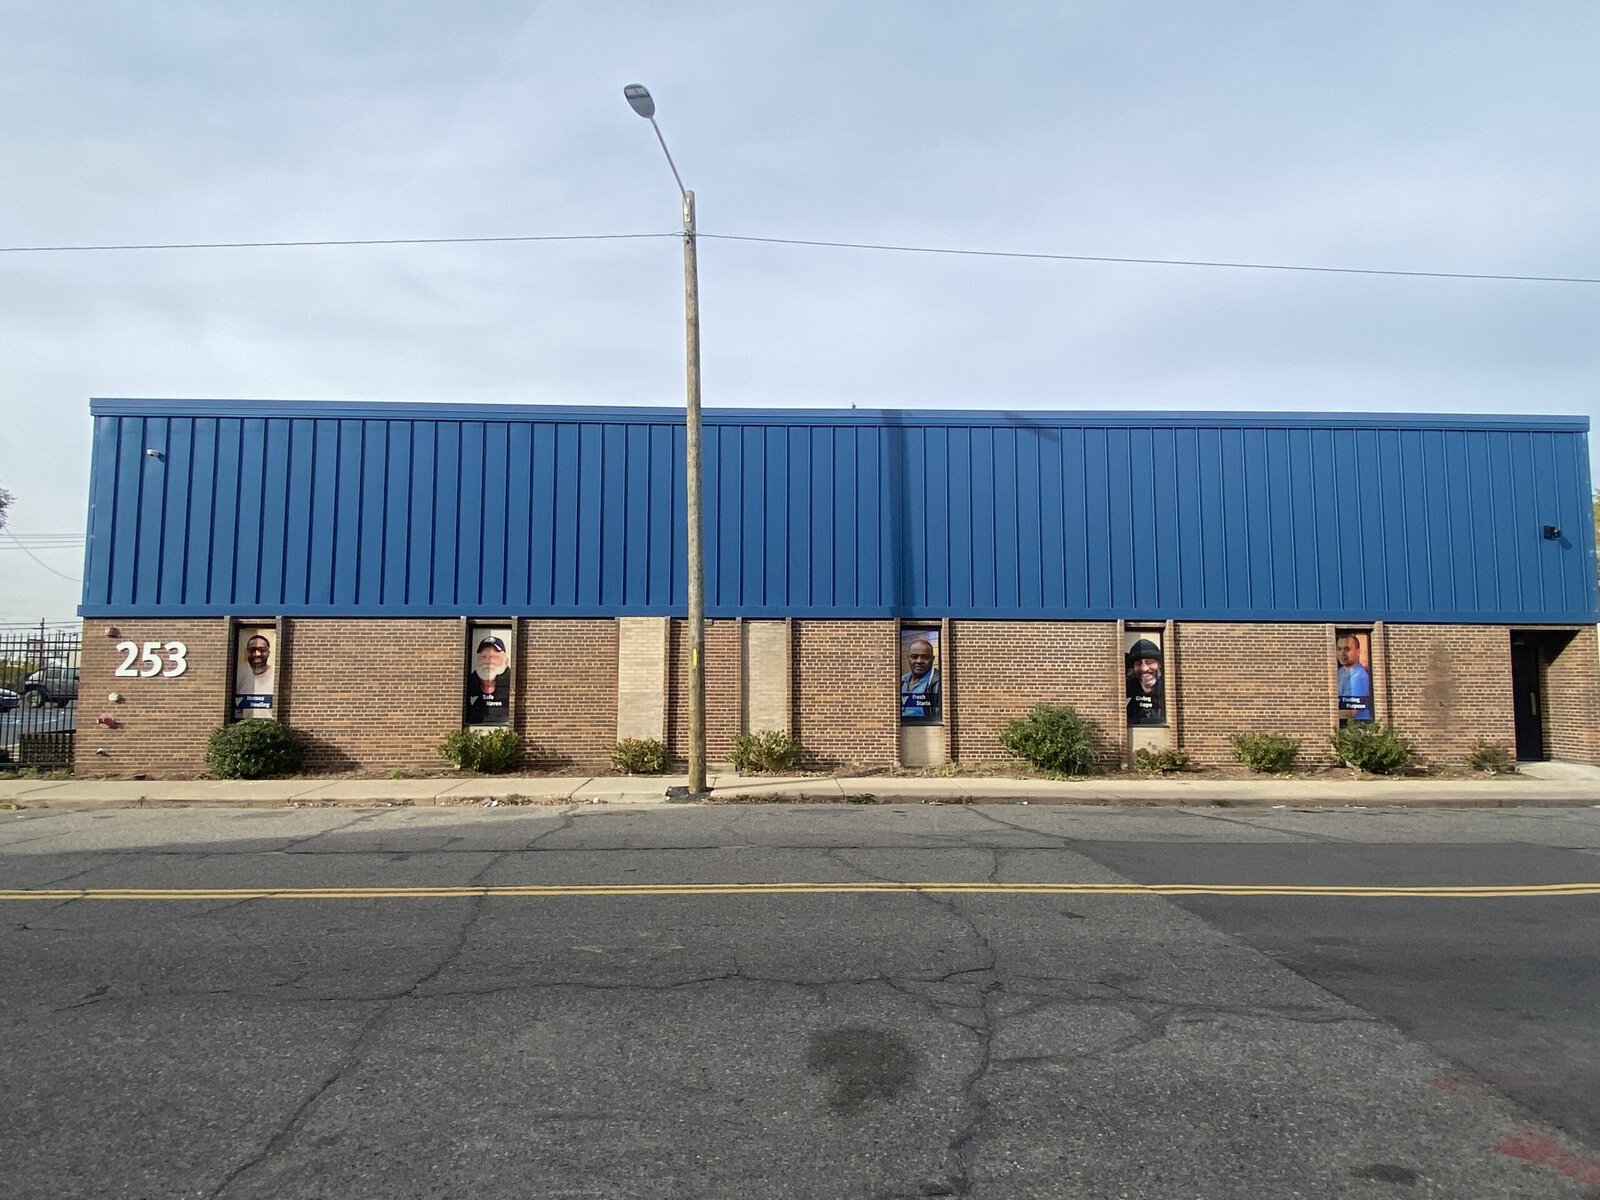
(639, 99)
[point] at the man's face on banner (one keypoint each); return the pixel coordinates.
(491, 659)
(1349, 651)
(920, 658)
(258, 653)
(1147, 671)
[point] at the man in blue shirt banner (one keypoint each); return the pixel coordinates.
(1355, 681)
(919, 687)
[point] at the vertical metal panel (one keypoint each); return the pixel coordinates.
(245, 584)
(811, 476)
(1302, 486)
(224, 488)
(959, 517)
(846, 524)
(1322, 511)
(175, 513)
(396, 501)
(665, 534)
(1166, 520)
(985, 554)
(493, 487)
(869, 461)
(778, 524)
(100, 547)
(468, 504)
(203, 438)
(1143, 552)
(274, 515)
(801, 475)
(420, 536)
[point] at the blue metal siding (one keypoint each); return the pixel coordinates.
(388, 509)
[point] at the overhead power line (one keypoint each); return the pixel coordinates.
(969, 252)
(40, 561)
(433, 241)
(1155, 262)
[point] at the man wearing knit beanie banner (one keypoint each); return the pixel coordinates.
(1147, 695)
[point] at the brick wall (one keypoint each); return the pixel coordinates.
(372, 695)
(1572, 697)
(641, 677)
(846, 691)
(163, 723)
(1246, 677)
(568, 680)
(377, 694)
(722, 689)
(997, 670)
(1448, 687)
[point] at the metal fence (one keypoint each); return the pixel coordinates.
(38, 697)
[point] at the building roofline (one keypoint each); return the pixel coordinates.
(387, 410)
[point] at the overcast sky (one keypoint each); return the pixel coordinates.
(1458, 137)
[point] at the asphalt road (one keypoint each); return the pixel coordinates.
(1095, 1040)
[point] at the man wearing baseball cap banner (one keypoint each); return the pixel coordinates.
(488, 697)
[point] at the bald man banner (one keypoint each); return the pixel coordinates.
(921, 699)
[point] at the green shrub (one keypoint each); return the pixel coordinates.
(639, 756)
(1273, 753)
(493, 752)
(1372, 746)
(1491, 758)
(1161, 762)
(765, 750)
(1054, 738)
(253, 749)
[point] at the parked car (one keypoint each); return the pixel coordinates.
(9, 700)
(53, 685)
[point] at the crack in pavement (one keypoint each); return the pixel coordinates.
(358, 1047)
(566, 820)
(1258, 826)
(1060, 841)
(289, 846)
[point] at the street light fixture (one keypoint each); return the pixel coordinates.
(640, 100)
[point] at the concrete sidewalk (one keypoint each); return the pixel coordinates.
(1542, 786)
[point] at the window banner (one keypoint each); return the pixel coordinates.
(1147, 677)
(1353, 652)
(921, 699)
(487, 699)
(255, 671)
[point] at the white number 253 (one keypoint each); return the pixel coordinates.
(148, 658)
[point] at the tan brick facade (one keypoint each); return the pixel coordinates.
(1226, 678)
(997, 670)
(846, 691)
(1447, 687)
(1572, 697)
(722, 689)
(365, 695)
(373, 695)
(568, 680)
(162, 723)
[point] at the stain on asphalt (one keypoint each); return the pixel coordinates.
(865, 1065)
(1386, 1173)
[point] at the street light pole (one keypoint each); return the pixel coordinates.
(639, 99)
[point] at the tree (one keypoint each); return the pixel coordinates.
(6, 498)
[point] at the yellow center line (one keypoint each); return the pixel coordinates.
(576, 891)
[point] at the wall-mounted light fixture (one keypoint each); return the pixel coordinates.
(152, 452)
(1552, 533)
